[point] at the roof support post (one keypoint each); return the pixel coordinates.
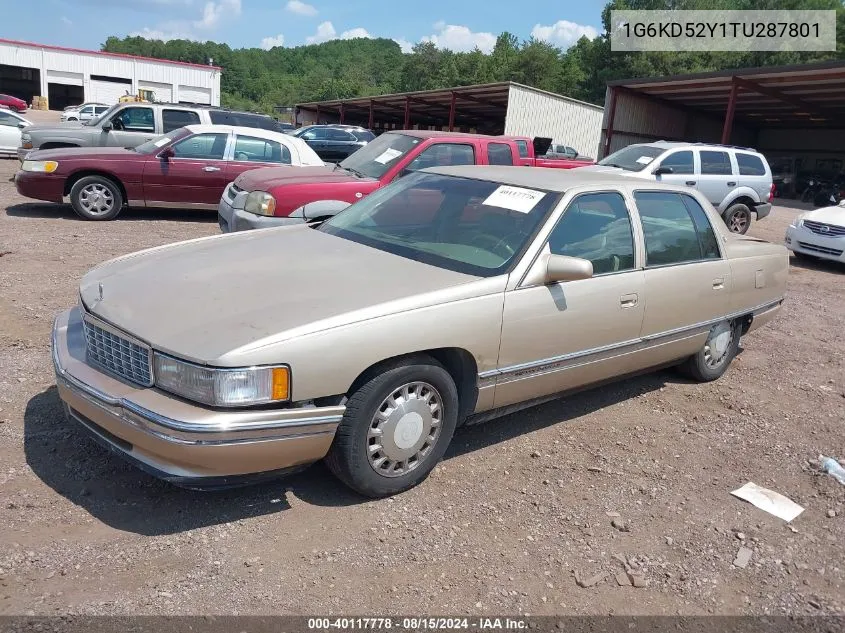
(317, 114)
(370, 119)
(407, 112)
(611, 114)
(729, 115)
(342, 113)
(452, 113)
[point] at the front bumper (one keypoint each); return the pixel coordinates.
(186, 444)
(40, 186)
(802, 240)
(232, 219)
(763, 209)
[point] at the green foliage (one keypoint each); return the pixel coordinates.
(255, 79)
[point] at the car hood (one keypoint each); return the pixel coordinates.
(271, 177)
(828, 215)
(208, 300)
(68, 153)
(63, 128)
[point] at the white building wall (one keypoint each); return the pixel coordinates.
(137, 70)
(568, 121)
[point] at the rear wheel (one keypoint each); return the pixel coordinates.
(96, 198)
(738, 218)
(713, 359)
(396, 428)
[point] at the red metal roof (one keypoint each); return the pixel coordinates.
(105, 53)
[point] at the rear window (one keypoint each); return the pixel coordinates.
(715, 163)
(522, 148)
(363, 135)
(750, 165)
(499, 154)
(244, 119)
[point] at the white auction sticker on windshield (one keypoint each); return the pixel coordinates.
(162, 141)
(387, 155)
(514, 198)
(644, 160)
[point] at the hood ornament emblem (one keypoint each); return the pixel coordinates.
(99, 292)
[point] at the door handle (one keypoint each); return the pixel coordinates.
(731, 184)
(690, 182)
(629, 301)
(718, 284)
(210, 168)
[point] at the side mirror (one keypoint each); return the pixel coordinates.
(22, 124)
(107, 126)
(663, 170)
(565, 268)
(167, 153)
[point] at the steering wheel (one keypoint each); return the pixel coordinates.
(493, 244)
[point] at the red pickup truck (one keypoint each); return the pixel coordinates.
(532, 153)
(276, 196)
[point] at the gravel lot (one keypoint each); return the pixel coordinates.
(520, 506)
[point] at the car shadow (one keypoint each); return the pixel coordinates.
(814, 263)
(68, 460)
(129, 214)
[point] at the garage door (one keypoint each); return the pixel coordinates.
(192, 94)
(163, 92)
(68, 79)
(107, 92)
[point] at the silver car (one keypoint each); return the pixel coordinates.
(85, 112)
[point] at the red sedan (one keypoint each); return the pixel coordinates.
(189, 167)
(13, 103)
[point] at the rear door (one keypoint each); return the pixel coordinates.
(522, 150)
(687, 279)
(195, 175)
(716, 177)
(173, 119)
(499, 154)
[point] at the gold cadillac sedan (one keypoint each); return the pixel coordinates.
(454, 294)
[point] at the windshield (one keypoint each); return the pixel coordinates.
(375, 158)
(102, 117)
(469, 226)
(154, 145)
(633, 157)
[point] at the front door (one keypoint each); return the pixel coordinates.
(131, 126)
(563, 335)
(687, 281)
(682, 164)
(194, 175)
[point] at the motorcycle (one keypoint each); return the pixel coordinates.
(830, 193)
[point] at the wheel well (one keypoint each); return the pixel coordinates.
(72, 180)
(457, 361)
(56, 145)
(748, 202)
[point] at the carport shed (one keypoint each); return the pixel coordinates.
(498, 108)
(792, 114)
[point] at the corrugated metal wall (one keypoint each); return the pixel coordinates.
(642, 120)
(203, 80)
(567, 121)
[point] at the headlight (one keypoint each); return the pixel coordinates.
(41, 166)
(222, 387)
(260, 203)
(797, 222)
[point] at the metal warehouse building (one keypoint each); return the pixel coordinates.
(499, 108)
(792, 114)
(68, 76)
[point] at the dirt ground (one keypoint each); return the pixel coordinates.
(517, 509)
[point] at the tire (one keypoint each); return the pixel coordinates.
(701, 366)
(738, 218)
(88, 206)
(382, 455)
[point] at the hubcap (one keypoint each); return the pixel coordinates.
(96, 199)
(404, 429)
(738, 222)
(718, 344)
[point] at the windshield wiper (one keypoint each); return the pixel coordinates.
(354, 171)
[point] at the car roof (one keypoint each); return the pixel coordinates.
(676, 144)
(548, 178)
(238, 129)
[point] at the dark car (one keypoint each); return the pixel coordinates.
(334, 142)
(13, 103)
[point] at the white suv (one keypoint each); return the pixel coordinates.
(736, 180)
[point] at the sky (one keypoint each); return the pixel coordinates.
(457, 25)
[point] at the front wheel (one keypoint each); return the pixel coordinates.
(738, 218)
(397, 426)
(713, 359)
(96, 198)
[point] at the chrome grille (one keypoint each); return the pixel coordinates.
(820, 249)
(829, 230)
(118, 354)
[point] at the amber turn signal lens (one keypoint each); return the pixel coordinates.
(281, 383)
